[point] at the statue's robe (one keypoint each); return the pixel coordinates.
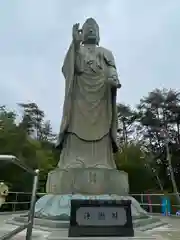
(88, 129)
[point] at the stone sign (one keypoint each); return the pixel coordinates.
(100, 218)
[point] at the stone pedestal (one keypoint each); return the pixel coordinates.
(87, 181)
(52, 211)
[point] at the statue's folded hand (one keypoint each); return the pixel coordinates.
(114, 82)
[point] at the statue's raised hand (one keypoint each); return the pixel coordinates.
(76, 34)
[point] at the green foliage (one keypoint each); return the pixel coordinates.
(142, 154)
(157, 113)
(35, 150)
(130, 160)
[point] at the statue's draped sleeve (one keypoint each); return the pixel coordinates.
(68, 69)
(109, 59)
(112, 71)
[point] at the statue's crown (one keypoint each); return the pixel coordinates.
(91, 21)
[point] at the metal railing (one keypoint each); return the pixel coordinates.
(153, 202)
(29, 224)
(150, 202)
(18, 202)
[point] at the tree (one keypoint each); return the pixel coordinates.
(32, 119)
(126, 123)
(16, 139)
(130, 160)
(160, 110)
(143, 152)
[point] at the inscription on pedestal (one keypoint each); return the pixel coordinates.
(100, 216)
(88, 181)
(92, 177)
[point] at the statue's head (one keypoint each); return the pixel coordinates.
(90, 32)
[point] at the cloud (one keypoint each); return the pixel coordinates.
(34, 37)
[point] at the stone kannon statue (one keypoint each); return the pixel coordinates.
(87, 138)
(89, 124)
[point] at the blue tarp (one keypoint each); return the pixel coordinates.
(166, 206)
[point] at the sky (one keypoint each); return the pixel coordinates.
(144, 36)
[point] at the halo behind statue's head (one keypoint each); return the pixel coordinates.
(92, 22)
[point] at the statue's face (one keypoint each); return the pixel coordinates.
(90, 33)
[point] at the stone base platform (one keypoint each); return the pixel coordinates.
(89, 181)
(52, 213)
(140, 224)
(57, 207)
(41, 233)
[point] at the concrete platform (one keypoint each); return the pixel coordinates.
(5, 228)
(171, 232)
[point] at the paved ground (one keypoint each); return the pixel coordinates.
(4, 228)
(164, 233)
(172, 233)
